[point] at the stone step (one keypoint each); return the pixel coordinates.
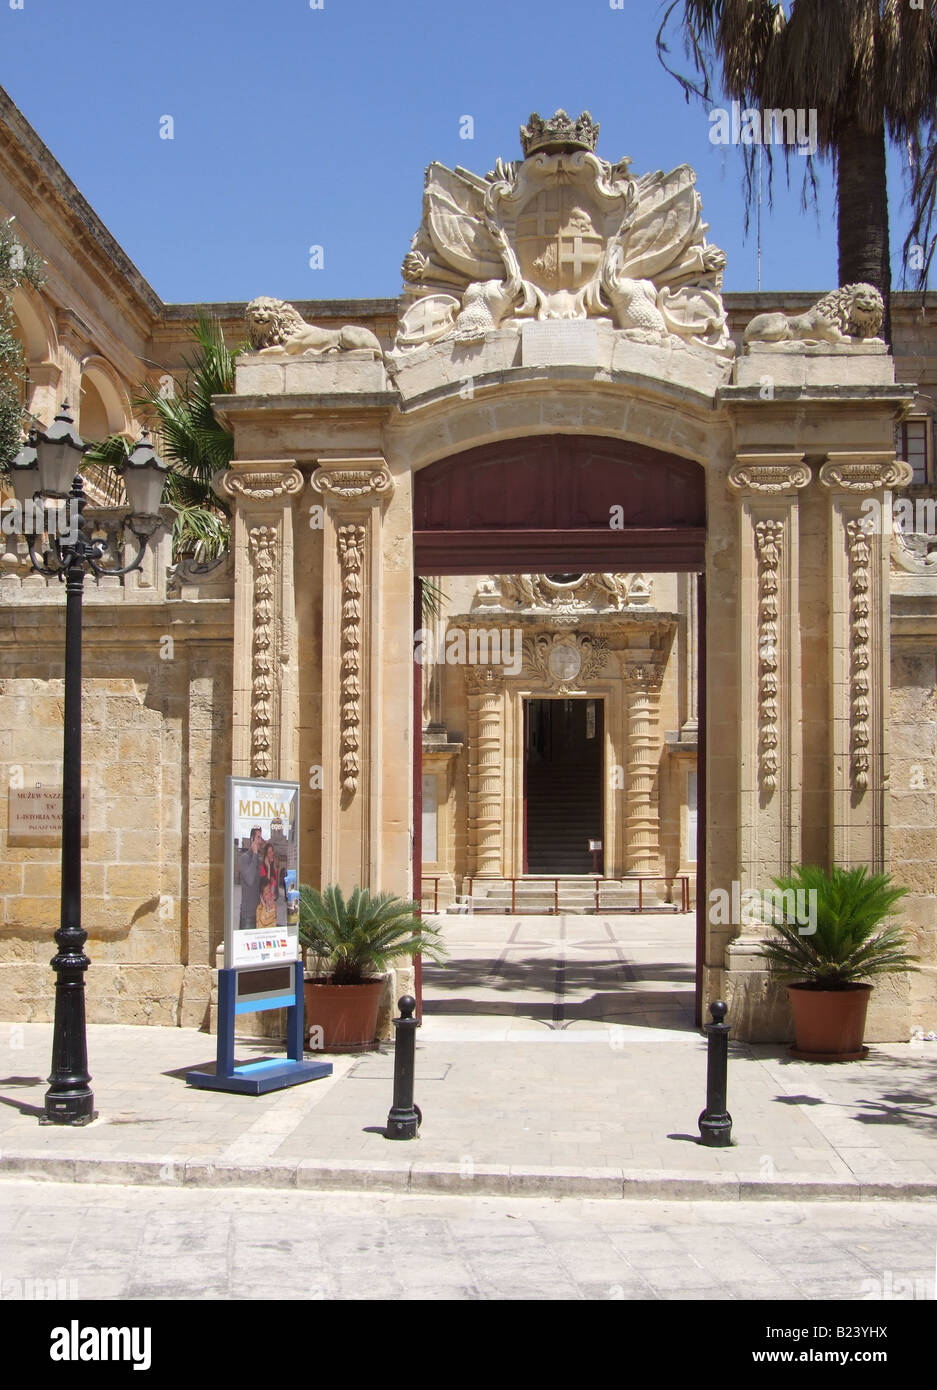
(575, 894)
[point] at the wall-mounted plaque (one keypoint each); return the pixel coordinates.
(35, 815)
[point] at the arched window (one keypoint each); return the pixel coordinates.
(92, 416)
(103, 408)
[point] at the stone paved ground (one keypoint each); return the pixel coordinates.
(146, 1243)
(555, 1056)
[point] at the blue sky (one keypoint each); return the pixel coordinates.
(296, 127)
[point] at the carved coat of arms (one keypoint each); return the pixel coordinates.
(563, 234)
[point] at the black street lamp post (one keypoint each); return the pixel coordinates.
(47, 468)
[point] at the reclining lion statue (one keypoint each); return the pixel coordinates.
(851, 314)
(275, 327)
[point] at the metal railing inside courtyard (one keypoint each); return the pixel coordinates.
(536, 893)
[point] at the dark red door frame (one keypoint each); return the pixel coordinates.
(417, 831)
(537, 551)
(701, 895)
(526, 703)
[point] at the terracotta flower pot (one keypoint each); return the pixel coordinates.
(347, 1014)
(829, 1024)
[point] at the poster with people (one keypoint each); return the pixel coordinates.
(262, 872)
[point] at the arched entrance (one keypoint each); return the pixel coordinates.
(568, 503)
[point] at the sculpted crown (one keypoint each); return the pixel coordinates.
(560, 132)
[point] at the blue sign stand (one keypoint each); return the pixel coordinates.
(235, 996)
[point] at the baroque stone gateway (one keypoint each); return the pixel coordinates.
(562, 561)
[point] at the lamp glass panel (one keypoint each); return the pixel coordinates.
(58, 464)
(144, 489)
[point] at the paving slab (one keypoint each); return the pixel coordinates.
(574, 1095)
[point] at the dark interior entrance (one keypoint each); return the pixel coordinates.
(563, 784)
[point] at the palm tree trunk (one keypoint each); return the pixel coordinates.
(862, 198)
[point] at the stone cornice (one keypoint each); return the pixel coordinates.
(72, 328)
(37, 175)
(26, 624)
(815, 396)
(249, 409)
(864, 472)
(769, 474)
(651, 621)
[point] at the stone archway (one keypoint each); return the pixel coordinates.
(582, 501)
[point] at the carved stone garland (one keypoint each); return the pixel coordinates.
(860, 578)
(350, 547)
(262, 542)
(769, 536)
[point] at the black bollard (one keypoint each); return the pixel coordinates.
(715, 1123)
(404, 1118)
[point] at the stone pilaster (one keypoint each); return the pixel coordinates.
(264, 714)
(643, 680)
(45, 390)
(860, 539)
(485, 688)
(351, 491)
(689, 674)
(433, 674)
(74, 342)
(770, 753)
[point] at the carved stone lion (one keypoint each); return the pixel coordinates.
(851, 314)
(275, 327)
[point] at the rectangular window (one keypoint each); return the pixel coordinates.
(692, 820)
(430, 806)
(912, 440)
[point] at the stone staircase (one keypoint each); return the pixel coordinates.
(564, 812)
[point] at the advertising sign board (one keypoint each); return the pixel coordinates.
(261, 873)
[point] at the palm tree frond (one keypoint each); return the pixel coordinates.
(351, 940)
(852, 936)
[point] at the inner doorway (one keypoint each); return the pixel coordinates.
(563, 786)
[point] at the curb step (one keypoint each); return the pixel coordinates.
(456, 1178)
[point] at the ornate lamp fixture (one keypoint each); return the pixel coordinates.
(46, 468)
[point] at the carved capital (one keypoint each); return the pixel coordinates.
(484, 680)
(353, 480)
(259, 480)
(644, 676)
(862, 473)
(769, 476)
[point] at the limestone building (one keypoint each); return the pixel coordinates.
(638, 534)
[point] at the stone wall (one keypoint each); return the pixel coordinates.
(914, 811)
(156, 751)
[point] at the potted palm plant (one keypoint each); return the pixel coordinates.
(349, 946)
(828, 960)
